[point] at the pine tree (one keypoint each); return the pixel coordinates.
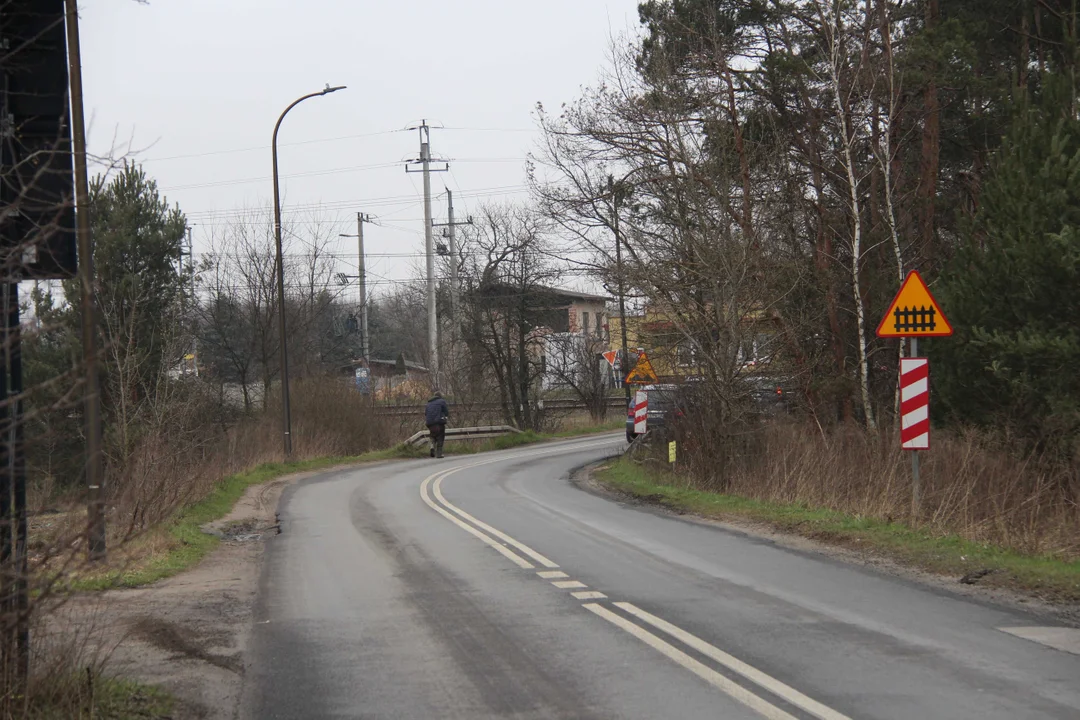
(1013, 290)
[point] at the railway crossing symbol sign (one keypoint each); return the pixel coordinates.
(914, 312)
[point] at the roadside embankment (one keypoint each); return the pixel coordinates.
(1039, 576)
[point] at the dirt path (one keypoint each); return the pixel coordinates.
(187, 634)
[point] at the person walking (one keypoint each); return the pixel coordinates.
(435, 416)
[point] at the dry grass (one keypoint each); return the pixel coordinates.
(979, 487)
(178, 465)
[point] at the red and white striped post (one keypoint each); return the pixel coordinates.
(915, 415)
(641, 411)
(914, 403)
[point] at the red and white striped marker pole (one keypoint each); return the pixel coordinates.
(915, 415)
(641, 411)
(914, 403)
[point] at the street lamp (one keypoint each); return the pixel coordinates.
(285, 415)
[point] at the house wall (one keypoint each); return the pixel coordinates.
(668, 353)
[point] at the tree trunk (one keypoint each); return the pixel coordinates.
(931, 147)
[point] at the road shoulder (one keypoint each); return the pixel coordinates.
(832, 547)
(188, 634)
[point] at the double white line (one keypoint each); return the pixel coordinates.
(491, 536)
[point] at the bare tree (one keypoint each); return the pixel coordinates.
(576, 361)
(509, 308)
(238, 314)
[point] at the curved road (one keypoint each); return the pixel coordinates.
(490, 587)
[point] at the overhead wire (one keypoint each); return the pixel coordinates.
(313, 141)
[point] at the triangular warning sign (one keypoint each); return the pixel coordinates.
(643, 372)
(914, 312)
(610, 356)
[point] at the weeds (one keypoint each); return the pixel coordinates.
(976, 486)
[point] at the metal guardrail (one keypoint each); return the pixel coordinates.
(469, 433)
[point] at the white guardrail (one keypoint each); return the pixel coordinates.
(469, 433)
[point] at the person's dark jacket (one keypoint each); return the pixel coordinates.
(437, 411)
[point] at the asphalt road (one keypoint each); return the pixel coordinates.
(491, 587)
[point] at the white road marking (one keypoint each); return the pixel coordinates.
(749, 672)
(514, 557)
(517, 559)
(1059, 638)
(552, 574)
(487, 528)
(736, 691)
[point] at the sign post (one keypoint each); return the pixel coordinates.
(914, 313)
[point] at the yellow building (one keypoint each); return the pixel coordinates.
(672, 355)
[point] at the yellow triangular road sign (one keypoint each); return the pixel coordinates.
(643, 372)
(914, 312)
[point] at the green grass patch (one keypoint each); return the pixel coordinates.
(609, 426)
(105, 699)
(1045, 576)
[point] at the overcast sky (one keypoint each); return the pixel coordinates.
(196, 86)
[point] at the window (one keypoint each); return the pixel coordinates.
(585, 323)
(686, 354)
(599, 324)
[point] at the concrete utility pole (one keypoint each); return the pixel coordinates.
(365, 340)
(429, 247)
(433, 325)
(453, 258)
(451, 234)
(190, 326)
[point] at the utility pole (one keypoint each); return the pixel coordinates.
(365, 341)
(185, 322)
(451, 234)
(95, 524)
(625, 370)
(453, 259)
(429, 248)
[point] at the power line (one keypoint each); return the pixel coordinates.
(267, 147)
(316, 173)
(391, 200)
(264, 178)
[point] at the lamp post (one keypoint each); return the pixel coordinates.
(285, 416)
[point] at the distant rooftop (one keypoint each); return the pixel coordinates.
(577, 295)
(409, 364)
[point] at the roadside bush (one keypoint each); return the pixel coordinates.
(196, 442)
(982, 486)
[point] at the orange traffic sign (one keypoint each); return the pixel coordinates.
(643, 373)
(914, 312)
(610, 356)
